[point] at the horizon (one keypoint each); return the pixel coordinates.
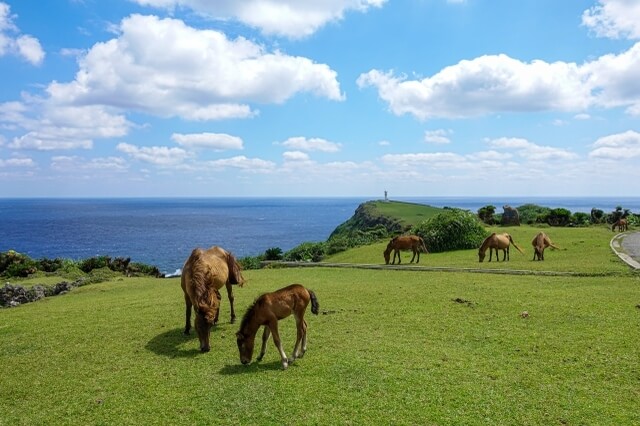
(184, 99)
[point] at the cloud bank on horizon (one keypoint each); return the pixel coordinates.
(336, 98)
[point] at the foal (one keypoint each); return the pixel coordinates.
(266, 311)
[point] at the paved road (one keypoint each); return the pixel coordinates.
(627, 246)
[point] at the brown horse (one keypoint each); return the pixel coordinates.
(405, 242)
(497, 242)
(540, 242)
(203, 274)
(622, 225)
(266, 311)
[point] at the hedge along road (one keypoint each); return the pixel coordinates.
(627, 247)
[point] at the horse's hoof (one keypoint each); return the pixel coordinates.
(285, 365)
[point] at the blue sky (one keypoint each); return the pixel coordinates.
(307, 98)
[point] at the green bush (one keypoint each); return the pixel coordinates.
(251, 262)
(274, 253)
(453, 229)
(486, 214)
(88, 265)
(306, 252)
(558, 217)
(532, 213)
(581, 219)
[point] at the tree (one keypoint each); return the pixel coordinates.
(453, 229)
(486, 214)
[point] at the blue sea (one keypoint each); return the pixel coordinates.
(163, 231)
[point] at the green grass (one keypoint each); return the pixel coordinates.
(389, 347)
(583, 251)
(407, 213)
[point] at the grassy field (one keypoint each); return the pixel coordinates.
(408, 213)
(389, 347)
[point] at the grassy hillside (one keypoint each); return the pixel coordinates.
(389, 347)
(395, 216)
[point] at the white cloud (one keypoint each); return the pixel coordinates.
(217, 141)
(25, 46)
(289, 18)
(531, 151)
(582, 116)
(74, 163)
(44, 142)
(384, 143)
(312, 144)
(436, 160)
(165, 68)
(241, 162)
(619, 146)
(17, 162)
(439, 136)
(158, 155)
(614, 19)
(295, 156)
(495, 83)
(484, 85)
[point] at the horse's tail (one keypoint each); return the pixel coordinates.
(423, 246)
(514, 244)
(315, 306)
(235, 270)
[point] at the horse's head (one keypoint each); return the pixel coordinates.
(481, 255)
(245, 347)
(203, 328)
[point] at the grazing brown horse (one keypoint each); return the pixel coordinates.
(203, 274)
(266, 311)
(497, 242)
(405, 242)
(622, 225)
(539, 243)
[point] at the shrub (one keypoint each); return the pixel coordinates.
(87, 265)
(453, 229)
(251, 262)
(486, 214)
(581, 219)
(558, 217)
(306, 252)
(532, 213)
(274, 253)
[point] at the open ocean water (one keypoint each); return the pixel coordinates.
(163, 231)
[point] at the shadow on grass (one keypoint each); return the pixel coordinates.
(169, 344)
(254, 367)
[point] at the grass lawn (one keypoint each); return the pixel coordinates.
(389, 347)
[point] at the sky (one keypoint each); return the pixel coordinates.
(219, 98)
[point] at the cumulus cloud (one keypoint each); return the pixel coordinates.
(17, 162)
(257, 165)
(497, 83)
(288, 18)
(311, 144)
(73, 163)
(157, 155)
(54, 127)
(531, 151)
(619, 146)
(11, 42)
(295, 156)
(440, 136)
(614, 19)
(217, 141)
(165, 68)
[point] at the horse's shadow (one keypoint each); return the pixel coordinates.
(254, 367)
(170, 344)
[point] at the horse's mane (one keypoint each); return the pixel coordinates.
(486, 241)
(205, 297)
(249, 314)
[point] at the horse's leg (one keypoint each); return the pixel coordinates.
(273, 325)
(490, 253)
(187, 314)
(414, 255)
(219, 297)
(304, 338)
(265, 337)
(506, 254)
(230, 295)
(299, 334)
(399, 257)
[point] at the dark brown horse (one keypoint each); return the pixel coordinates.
(266, 311)
(203, 274)
(497, 242)
(404, 242)
(540, 242)
(622, 225)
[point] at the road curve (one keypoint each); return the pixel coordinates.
(627, 247)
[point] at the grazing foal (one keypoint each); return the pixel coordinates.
(266, 311)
